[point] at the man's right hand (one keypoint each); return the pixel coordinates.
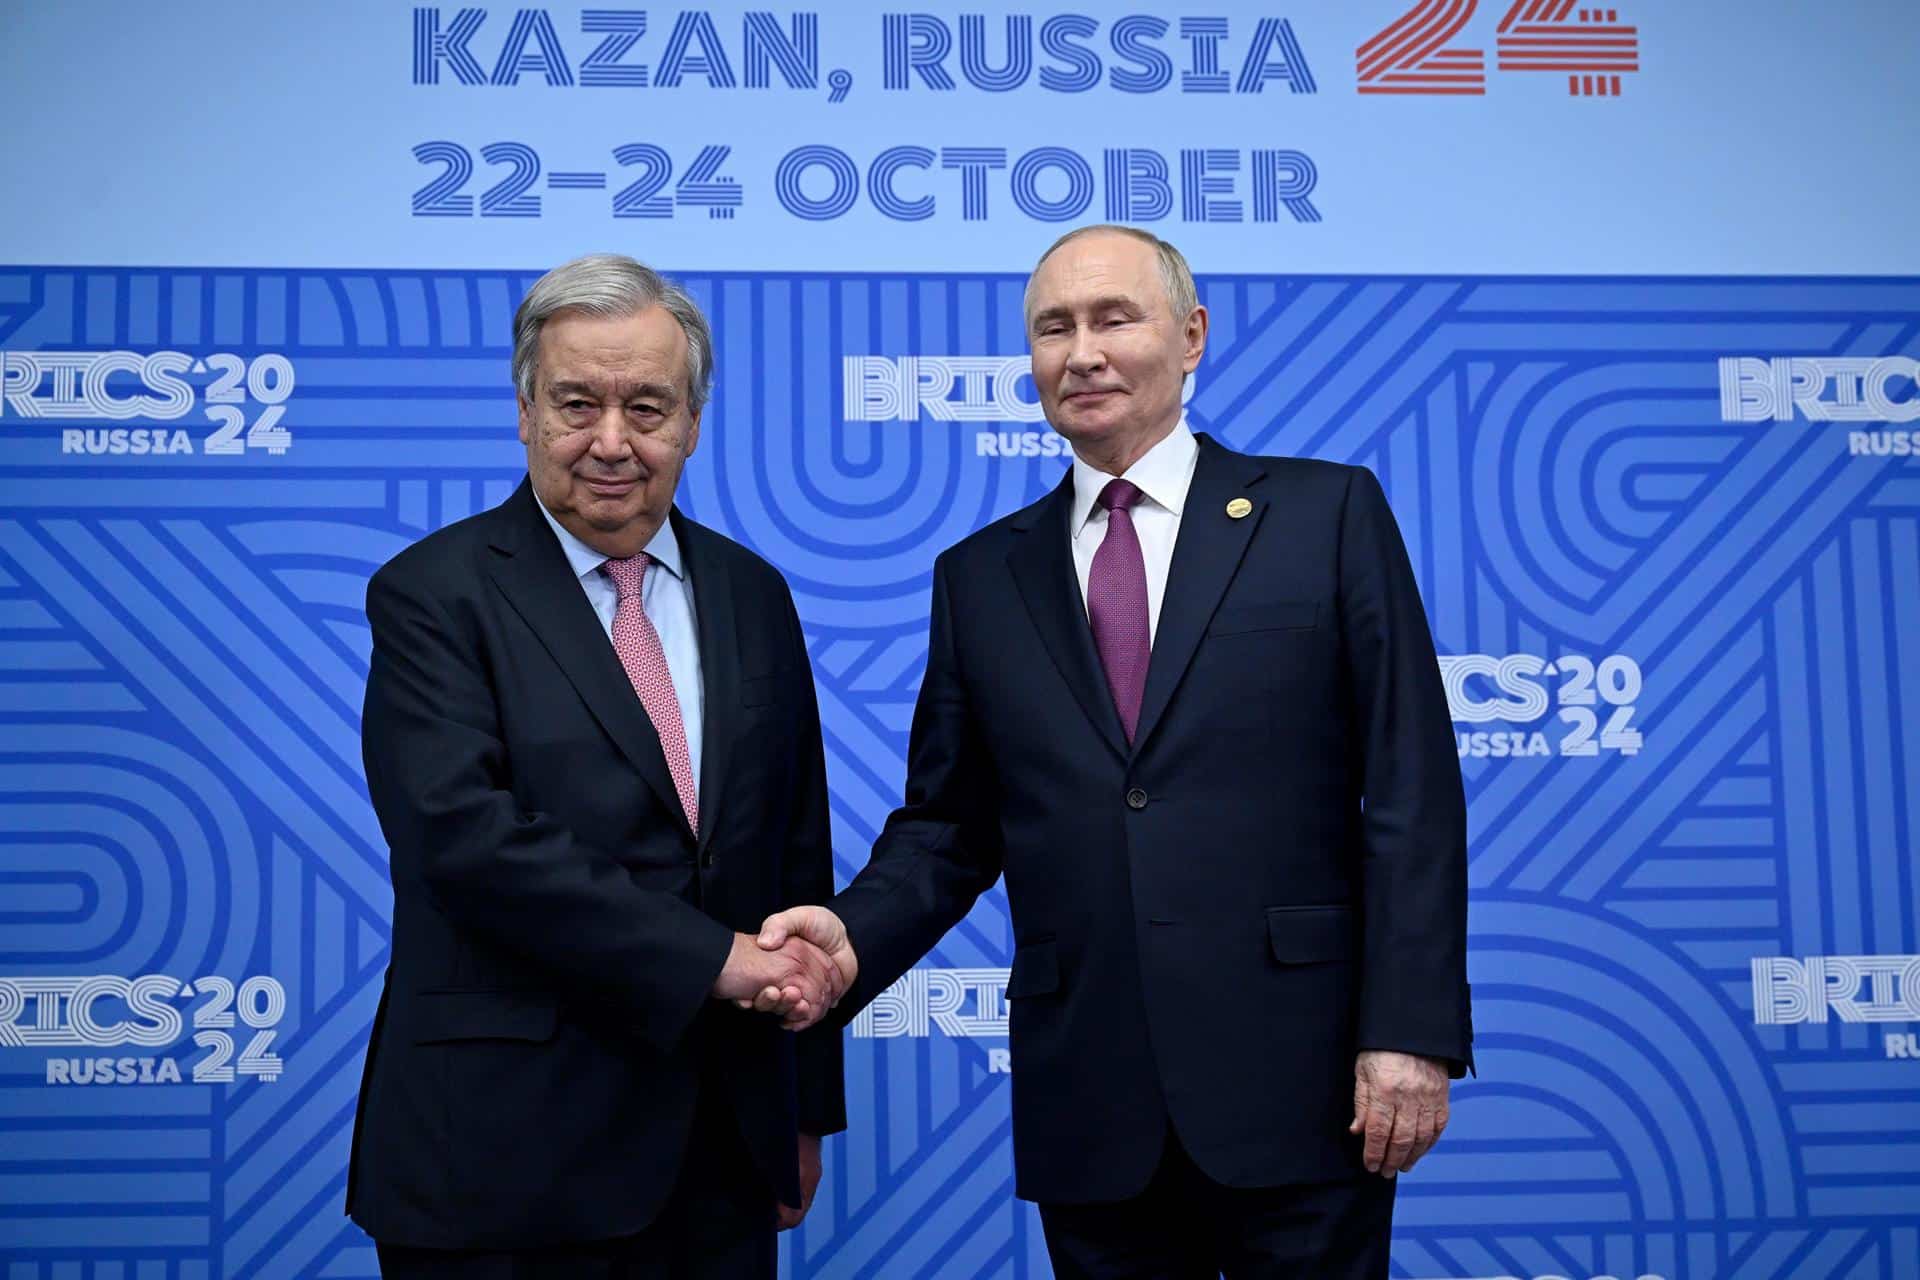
(821, 929)
(794, 977)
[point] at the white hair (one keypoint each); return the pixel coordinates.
(610, 284)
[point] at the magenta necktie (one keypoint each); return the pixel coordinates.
(1117, 604)
(638, 645)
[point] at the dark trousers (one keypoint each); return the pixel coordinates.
(1186, 1226)
(717, 1225)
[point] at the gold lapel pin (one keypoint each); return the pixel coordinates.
(1239, 508)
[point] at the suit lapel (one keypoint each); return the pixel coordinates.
(533, 573)
(716, 615)
(1042, 564)
(1205, 557)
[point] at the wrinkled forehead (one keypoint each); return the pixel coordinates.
(615, 352)
(1096, 268)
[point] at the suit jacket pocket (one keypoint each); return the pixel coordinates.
(442, 1016)
(1311, 935)
(1036, 970)
(1281, 615)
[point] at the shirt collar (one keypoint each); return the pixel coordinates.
(583, 559)
(1164, 474)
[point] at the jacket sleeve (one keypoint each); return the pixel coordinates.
(1413, 992)
(807, 877)
(941, 849)
(438, 774)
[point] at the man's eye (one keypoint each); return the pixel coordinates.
(574, 406)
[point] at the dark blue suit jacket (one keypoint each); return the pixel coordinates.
(556, 925)
(1210, 922)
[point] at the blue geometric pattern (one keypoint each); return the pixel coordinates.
(181, 795)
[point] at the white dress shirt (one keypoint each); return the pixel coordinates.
(1163, 476)
(668, 601)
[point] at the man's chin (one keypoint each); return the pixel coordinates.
(609, 514)
(1087, 428)
(613, 516)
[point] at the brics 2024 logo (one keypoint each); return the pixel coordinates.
(964, 1004)
(242, 399)
(1852, 989)
(997, 389)
(1586, 43)
(1520, 690)
(107, 1011)
(1882, 389)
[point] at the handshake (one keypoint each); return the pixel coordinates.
(797, 968)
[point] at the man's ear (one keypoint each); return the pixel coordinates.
(1196, 336)
(526, 419)
(693, 430)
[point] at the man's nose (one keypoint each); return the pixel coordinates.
(1086, 355)
(610, 435)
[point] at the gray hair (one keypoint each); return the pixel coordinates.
(610, 284)
(1175, 276)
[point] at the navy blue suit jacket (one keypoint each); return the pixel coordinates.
(546, 1024)
(1209, 922)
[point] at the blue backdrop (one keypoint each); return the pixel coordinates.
(1628, 333)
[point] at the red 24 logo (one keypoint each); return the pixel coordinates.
(1589, 44)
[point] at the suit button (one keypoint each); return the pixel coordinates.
(707, 860)
(1136, 799)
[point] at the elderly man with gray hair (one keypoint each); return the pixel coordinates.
(591, 739)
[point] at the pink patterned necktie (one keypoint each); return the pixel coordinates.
(1117, 604)
(638, 645)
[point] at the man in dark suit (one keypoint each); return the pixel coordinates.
(1188, 704)
(592, 742)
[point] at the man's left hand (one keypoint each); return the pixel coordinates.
(1400, 1101)
(809, 1182)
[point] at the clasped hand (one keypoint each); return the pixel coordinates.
(797, 968)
